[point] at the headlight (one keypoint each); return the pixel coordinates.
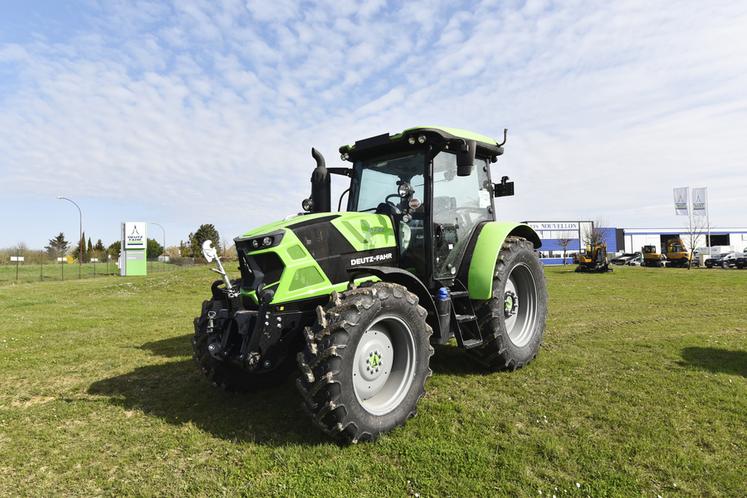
(411, 140)
(306, 204)
(255, 243)
(421, 139)
(267, 241)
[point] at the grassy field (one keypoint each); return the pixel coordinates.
(640, 389)
(50, 271)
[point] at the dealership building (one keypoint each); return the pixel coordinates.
(728, 238)
(572, 234)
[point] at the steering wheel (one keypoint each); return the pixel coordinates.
(389, 204)
(462, 213)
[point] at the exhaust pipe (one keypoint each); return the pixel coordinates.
(321, 193)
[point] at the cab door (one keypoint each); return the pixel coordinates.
(459, 204)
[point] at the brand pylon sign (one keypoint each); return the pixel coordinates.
(682, 201)
(133, 256)
(700, 201)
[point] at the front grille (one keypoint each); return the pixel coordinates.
(258, 269)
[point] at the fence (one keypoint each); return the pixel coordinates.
(42, 268)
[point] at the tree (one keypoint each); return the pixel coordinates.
(698, 228)
(114, 249)
(58, 246)
(89, 248)
(154, 248)
(77, 249)
(596, 235)
(205, 232)
(564, 241)
(99, 250)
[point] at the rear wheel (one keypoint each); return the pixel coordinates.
(365, 364)
(512, 322)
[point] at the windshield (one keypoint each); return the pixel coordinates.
(377, 179)
(375, 182)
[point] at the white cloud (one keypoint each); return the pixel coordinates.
(212, 108)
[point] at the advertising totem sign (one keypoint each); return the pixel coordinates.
(133, 258)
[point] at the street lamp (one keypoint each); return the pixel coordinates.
(164, 237)
(80, 236)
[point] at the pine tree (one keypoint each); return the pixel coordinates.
(205, 232)
(58, 246)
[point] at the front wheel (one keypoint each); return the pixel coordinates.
(512, 322)
(366, 361)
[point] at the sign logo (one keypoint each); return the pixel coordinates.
(681, 197)
(700, 201)
(134, 235)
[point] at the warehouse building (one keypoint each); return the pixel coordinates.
(725, 238)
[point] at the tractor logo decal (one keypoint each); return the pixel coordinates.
(376, 258)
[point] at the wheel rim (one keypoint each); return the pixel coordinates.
(520, 305)
(384, 365)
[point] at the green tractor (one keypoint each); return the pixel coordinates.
(357, 298)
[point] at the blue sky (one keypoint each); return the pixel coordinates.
(204, 112)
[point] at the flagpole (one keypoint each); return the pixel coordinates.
(690, 217)
(708, 218)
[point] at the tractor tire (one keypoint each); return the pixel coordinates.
(365, 363)
(512, 322)
(226, 375)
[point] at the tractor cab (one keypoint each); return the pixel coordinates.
(434, 184)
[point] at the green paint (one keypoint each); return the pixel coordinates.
(136, 262)
(302, 276)
(277, 225)
(485, 255)
(366, 231)
(456, 132)
(374, 360)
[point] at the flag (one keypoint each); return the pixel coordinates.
(681, 201)
(700, 201)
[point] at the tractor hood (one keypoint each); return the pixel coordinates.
(310, 255)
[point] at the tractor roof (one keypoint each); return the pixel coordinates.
(485, 145)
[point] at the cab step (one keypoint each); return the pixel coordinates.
(471, 343)
(466, 318)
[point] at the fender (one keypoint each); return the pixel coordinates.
(485, 254)
(412, 283)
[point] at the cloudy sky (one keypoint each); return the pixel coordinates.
(205, 112)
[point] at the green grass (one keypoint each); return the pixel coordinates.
(50, 271)
(640, 389)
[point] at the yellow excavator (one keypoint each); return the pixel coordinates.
(675, 254)
(593, 259)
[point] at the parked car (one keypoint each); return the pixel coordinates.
(624, 258)
(725, 260)
(741, 261)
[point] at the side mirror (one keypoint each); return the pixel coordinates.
(503, 189)
(466, 158)
(208, 251)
